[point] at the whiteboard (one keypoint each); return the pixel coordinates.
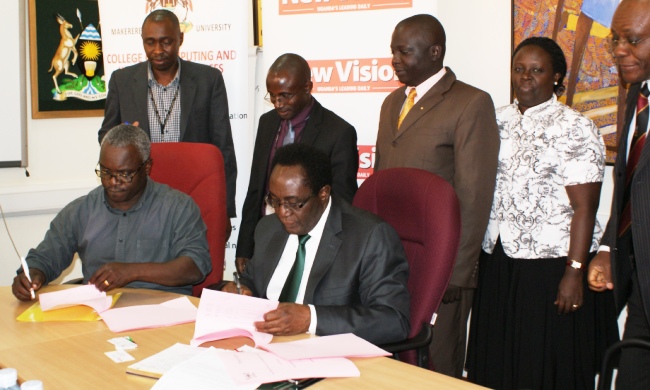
(13, 128)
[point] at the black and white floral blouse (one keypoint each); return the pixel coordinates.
(547, 148)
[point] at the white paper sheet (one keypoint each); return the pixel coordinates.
(340, 345)
(87, 295)
(173, 312)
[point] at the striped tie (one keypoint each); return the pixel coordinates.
(410, 101)
(638, 140)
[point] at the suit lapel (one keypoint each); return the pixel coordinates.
(327, 249)
(271, 258)
(188, 92)
(140, 97)
(310, 131)
(426, 102)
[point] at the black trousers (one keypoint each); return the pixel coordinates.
(634, 366)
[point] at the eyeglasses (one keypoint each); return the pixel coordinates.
(293, 206)
(122, 177)
(282, 97)
(613, 42)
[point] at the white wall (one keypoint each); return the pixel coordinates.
(64, 152)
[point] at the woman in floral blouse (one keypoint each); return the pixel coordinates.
(534, 321)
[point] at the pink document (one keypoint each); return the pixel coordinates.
(223, 315)
(263, 367)
(340, 345)
(173, 312)
(87, 295)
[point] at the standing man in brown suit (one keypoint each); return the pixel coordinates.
(450, 130)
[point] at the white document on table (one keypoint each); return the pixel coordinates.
(86, 295)
(158, 364)
(173, 312)
(203, 371)
(223, 315)
(264, 367)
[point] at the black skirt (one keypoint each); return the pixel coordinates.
(517, 338)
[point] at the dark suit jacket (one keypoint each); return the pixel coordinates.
(452, 132)
(640, 195)
(358, 281)
(204, 111)
(326, 131)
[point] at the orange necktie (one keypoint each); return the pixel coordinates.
(410, 101)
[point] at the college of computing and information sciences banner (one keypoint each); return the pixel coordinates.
(347, 45)
(215, 34)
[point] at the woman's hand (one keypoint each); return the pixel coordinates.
(570, 292)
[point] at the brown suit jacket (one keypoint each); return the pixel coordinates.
(452, 132)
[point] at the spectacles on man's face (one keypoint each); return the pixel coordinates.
(282, 97)
(613, 41)
(122, 177)
(292, 206)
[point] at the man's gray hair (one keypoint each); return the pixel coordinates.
(125, 135)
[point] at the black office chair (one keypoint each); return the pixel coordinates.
(605, 379)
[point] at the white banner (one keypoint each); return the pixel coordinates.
(215, 34)
(347, 45)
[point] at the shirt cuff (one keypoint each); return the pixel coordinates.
(603, 248)
(314, 320)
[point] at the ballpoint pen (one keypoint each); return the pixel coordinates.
(26, 271)
(236, 279)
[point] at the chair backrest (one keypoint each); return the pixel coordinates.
(424, 210)
(197, 170)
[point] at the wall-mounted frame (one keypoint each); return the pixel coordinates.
(581, 28)
(66, 63)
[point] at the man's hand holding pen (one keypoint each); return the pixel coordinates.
(231, 287)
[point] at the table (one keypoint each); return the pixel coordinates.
(70, 355)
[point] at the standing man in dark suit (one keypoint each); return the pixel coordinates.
(335, 268)
(450, 130)
(173, 100)
(623, 260)
(297, 117)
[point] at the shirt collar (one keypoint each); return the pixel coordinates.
(148, 190)
(317, 231)
(426, 85)
(538, 108)
(152, 80)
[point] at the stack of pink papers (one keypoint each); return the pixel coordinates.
(173, 312)
(222, 315)
(340, 345)
(87, 295)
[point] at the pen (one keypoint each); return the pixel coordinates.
(236, 278)
(26, 271)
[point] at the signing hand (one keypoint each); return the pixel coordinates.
(231, 287)
(288, 319)
(600, 272)
(21, 286)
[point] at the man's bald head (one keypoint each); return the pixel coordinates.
(293, 64)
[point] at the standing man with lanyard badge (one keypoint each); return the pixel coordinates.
(173, 100)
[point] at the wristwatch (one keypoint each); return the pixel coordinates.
(575, 264)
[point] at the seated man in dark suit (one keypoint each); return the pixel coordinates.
(297, 117)
(130, 231)
(334, 268)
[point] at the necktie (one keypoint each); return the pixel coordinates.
(292, 285)
(638, 141)
(290, 136)
(410, 101)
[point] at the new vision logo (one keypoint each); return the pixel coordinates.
(353, 75)
(291, 7)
